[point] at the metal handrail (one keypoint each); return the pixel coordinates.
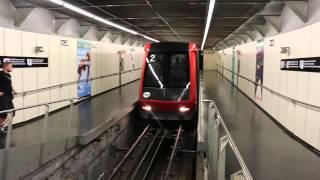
(294, 101)
(70, 83)
(5, 161)
(130, 70)
(219, 120)
(43, 104)
(62, 100)
(233, 146)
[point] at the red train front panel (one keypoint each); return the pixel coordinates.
(168, 87)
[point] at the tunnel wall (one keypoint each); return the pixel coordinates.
(62, 54)
(303, 86)
(210, 60)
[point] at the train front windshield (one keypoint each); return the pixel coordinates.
(167, 76)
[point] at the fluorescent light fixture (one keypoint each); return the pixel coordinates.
(209, 17)
(90, 15)
(114, 25)
(151, 39)
(59, 2)
(78, 10)
(147, 108)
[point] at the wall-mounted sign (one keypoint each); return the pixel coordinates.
(301, 64)
(25, 62)
(271, 42)
(64, 43)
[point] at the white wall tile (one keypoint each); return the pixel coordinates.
(2, 42)
(312, 133)
(30, 75)
(300, 115)
(62, 62)
(12, 47)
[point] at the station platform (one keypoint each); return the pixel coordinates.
(268, 151)
(85, 122)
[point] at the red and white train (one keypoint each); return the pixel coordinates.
(169, 82)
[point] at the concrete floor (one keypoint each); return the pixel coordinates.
(268, 151)
(86, 116)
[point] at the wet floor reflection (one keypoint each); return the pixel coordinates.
(268, 151)
(81, 119)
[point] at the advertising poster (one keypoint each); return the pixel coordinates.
(132, 52)
(258, 90)
(121, 54)
(84, 61)
(233, 64)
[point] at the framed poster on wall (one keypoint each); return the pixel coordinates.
(83, 70)
(258, 90)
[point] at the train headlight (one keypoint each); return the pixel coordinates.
(147, 108)
(184, 109)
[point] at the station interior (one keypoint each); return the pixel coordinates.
(79, 75)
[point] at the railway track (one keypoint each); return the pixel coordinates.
(157, 154)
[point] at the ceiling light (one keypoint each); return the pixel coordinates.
(78, 10)
(209, 17)
(151, 39)
(59, 2)
(90, 15)
(114, 25)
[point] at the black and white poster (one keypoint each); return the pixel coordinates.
(25, 62)
(301, 64)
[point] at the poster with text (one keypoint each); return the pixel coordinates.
(84, 62)
(258, 90)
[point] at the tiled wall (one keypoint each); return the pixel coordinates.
(302, 86)
(62, 68)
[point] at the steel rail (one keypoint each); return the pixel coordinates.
(154, 156)
(233, 146)
(294, 101)
(116, 169)
(145, 155)
(173, 153)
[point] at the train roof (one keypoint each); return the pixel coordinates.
(170, 47)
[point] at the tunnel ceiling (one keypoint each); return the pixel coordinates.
(169, 20)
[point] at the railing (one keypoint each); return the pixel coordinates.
(294, 101)
(44, 124)
(217, 145)
(43, 129)
(47, 105)
(70, 83)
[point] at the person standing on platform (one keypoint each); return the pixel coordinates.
(6, 93)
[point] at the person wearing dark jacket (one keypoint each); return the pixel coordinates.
(6, 92)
